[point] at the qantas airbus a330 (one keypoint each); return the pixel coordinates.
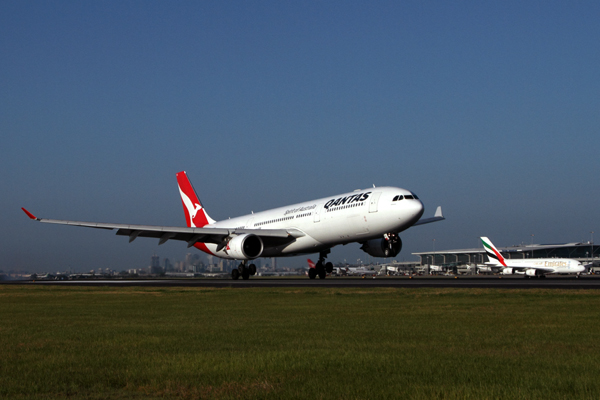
(372, 217)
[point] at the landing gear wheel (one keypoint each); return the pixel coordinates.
(329, 267)
(321, 270)
(252, 269)
(246, 274)
(242, 268)
(235, 274)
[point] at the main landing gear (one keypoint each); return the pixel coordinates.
(321, 268)
(245, 271)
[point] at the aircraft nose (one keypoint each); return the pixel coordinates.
(419, 208)
(416, 209)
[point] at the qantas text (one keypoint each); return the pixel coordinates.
(347, 200)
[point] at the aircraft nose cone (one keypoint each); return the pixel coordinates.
(419, 208)
(414, 210)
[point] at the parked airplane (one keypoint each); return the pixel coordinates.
(389, 270)
(345, 271)
(360, 271)
(371, 217)
(487, 269)
(533, 267)
(435, 268)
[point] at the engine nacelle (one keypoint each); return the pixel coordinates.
(383, 247)
(530, 272)
(245, 247)
(507, 271)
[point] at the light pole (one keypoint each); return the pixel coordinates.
(532, 235)
(592, 245)
(586, 256)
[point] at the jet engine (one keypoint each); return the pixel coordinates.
(245, 247)
(387, 246)
(531, 272)
(507, 271)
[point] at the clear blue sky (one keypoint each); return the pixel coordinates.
(490, 109)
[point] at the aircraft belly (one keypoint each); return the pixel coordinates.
(303, 245)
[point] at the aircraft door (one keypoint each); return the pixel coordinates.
(374, 202)
(317, 213)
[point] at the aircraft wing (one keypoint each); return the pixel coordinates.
(437, 217)
(189, 235)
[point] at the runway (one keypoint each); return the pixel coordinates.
(584, 282)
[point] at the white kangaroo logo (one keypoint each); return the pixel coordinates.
(191, 207)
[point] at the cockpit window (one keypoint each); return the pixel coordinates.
(408, 196)
(415, 196)
(399, 197)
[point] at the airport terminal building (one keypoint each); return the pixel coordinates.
(586, 253)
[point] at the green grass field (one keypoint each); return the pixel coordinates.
(319, 343)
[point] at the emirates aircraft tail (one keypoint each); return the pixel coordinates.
(492, 252)
(195, 215)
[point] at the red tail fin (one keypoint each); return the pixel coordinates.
(195, 216)
(310, 263)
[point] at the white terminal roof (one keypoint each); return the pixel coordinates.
(511, 249)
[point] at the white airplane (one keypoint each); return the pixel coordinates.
(344, 271)
(436, 268)
(486, 268)
(389, 270)
(360, 271)
(372, 217)
(533, 267)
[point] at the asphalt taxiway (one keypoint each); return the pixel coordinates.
(584, 282)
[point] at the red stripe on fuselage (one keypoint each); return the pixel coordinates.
(204, 248)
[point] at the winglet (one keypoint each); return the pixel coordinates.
(437, 217)
(30, 215)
